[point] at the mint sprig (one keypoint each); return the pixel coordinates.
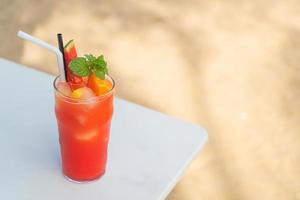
(84, 66)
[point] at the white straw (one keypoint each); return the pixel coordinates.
(43, 44)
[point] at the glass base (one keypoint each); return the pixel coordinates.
(82, 182)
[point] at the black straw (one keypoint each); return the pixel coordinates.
(61, 48)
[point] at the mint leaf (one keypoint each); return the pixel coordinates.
(84, 66)
(106, 70)
(100, 62)
(100, 74)
(79, 67)
(90, 58)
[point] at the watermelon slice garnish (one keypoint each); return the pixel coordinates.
(70, 54)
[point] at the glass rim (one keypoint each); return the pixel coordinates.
(74, 100)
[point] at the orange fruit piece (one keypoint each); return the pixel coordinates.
(98, 85)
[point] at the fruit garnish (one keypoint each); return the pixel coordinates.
(71, 54)
(98, 85)
(82, 93)
(89, 64)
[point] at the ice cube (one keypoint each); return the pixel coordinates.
(64, 88)
(87, 136)
(83, 93)
(81, 119)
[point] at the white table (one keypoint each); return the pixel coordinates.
(148, 151)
